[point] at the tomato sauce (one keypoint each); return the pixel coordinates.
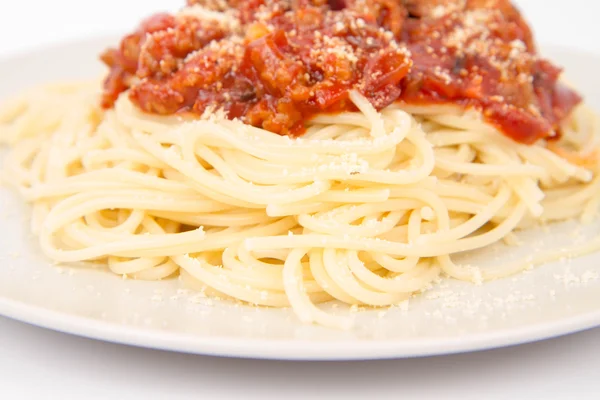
(277, 63)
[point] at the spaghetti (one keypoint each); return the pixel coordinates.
(367, 206)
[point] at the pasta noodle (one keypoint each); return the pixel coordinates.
(366, 208)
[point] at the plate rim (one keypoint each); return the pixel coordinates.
(292, 350)
(282, 349)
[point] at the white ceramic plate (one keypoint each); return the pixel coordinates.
(555, 299)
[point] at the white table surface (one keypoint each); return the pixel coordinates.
(37, 363)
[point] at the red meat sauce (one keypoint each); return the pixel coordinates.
(276, 63)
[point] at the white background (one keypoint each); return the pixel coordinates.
(35, 363)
